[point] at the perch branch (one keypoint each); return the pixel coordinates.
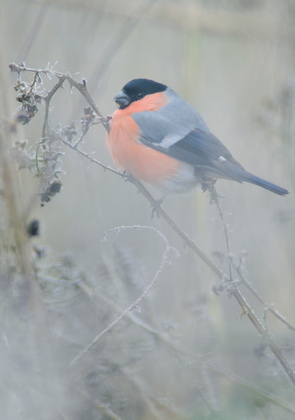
(229, 285)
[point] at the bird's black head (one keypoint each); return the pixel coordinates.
(137, 89)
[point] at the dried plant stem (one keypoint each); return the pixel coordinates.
(139, 299)
(30, 306)
(215, 199)
(234, 291)
(231, 287)
(242, 301)
(267, 306)
(79, 85)
(14, 211)
(176, 347)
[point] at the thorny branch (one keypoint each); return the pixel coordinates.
(215, 199)
(30, 97)
(179, 349)
(267, 306)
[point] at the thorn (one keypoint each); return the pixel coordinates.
(244, 312)
(155, 207)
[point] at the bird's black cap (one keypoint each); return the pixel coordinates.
(137, 89)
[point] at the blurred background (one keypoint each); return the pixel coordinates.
(181, 352)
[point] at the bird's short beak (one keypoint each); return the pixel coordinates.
(122, 99)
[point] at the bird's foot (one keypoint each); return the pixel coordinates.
(208, 184)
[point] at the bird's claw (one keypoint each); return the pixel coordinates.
(208, 184)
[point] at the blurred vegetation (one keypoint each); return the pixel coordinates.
(105, 314)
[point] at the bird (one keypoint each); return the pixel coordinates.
(157, 137)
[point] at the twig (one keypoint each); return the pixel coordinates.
(176, 347)
(92, 160)
(135, 303)
(215, 199)
(246, 309)
(80, 86)
(47, 100)
(267, 306)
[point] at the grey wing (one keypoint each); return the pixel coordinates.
(170, 123)
(187, 138)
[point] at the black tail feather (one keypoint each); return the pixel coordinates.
(252, 179)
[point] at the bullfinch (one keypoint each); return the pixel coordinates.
(157, 137)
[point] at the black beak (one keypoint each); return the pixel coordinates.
(122, 99)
